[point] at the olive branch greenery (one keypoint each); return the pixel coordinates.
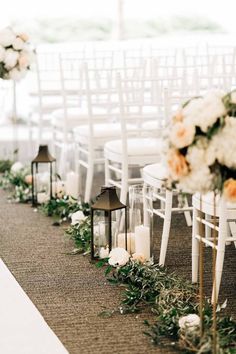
(61, 209)
(169, 297)
(15, 182)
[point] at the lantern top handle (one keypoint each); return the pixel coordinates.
(108, 200)
(44, 155)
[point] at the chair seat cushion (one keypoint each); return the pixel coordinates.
(156, 170)
(208, 198)
(136, 146)
(100, 130)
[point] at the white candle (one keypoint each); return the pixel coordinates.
(142, 241)
(130, 241)
(72, 184)
(42, 197)
(99, 234)
(103, 252)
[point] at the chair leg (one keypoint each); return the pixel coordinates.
(187, 214)
(124, 185)
(166, 227)
(107, 171)
(195, 247)
(207, 228)
(89, 180)
(220, 250)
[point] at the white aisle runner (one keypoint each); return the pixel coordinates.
(22, 328)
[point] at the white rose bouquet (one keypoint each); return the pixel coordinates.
(16, 54)
(201, 154)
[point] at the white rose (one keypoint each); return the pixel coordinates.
(198, 180)
(16, 74)
(223, 145)
(2, 53)
(182, 134)
(189, 321)
(203, 112)
(18, 44)
(17, 167)
(7, 36)
(11, 57)
(198, 154)
(233, 97)
(77, 217)
(118, 257)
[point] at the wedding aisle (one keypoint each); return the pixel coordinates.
(70, 292)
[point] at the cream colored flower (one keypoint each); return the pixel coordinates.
(182, 135)
(198, 180)
(2, 53)
(7, 36)
(118, 257)
(189, 321)
(77, 217)
(233, 97)
(18, 44)
(229, 190)
(17, 167)
(204, 111)
(16, 74)
(23, 60)
(177, 164)
(11, 57)
(178, 117)
(23, 36)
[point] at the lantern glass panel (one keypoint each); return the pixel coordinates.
(104, 231)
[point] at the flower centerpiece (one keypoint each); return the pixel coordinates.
(202, 144)
(16, 54)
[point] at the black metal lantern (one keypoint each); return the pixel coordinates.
(43, 158)
(108, 217)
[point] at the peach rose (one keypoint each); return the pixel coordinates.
(23, 36)
(177, 164)
(28, 179)
(182, 134)
(178, 117)
(230, 190)
(23, 61)
(138, 257)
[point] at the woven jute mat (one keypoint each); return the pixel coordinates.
(70, 292)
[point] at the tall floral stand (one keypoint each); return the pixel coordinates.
(14, 123)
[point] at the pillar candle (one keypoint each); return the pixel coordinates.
(72, 184)
(103, 252)
(42, 197)
(142, 241)
(130, 242)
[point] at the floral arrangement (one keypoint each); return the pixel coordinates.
(173, 301)
(19, 181)
(16, 54)
(201, 145)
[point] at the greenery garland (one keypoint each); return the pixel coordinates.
(61, 209)
(167, 295)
